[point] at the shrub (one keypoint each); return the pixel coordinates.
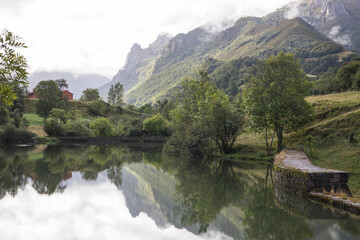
(12, 135)
(119, 130)
(4, 115)
(96, 108)
(156, 125)
(102, 127)
(59, 115)
(77, 129)
(54, 128)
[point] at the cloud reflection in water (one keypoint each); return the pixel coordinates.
(83, 211)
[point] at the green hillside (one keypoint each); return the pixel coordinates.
(249, 37)
(336, 120)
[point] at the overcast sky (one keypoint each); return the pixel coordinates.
(94, 36)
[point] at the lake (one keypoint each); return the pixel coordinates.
(115, 192)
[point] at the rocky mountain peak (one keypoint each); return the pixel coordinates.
(320, 11)
(159, 43)
(135, 56)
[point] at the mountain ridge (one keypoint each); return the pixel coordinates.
(157, 77)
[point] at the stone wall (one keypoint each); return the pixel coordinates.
(295, 173)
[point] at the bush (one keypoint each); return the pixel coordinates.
(119, 130)
(54, 128)
(19, 121)
(96, 108)
(77, 129)
(102, 127)
(12, 135)
(4, 115)
(156, 125)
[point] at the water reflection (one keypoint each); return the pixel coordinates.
(215, 200)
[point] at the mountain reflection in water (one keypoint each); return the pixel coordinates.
(108, 192)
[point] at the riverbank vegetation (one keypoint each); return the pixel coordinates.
(247, 119)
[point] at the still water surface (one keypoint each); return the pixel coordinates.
(114, 192)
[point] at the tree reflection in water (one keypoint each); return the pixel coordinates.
(237, 198)
(55, 164)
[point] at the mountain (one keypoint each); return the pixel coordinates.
(77, 83)
(249, 37)
(316, 38)
(138, 64)
(337, 19)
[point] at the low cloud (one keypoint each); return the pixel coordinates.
(293, 10)
(336, 35)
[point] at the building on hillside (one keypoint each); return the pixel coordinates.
(65, 95)
(32, 95)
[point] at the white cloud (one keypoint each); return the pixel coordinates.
(83, 211)
(91, 36)
(343, 39)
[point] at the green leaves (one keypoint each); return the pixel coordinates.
(204, 115)
(12, 66)
(275, 97)
(90, 94)
(116, 94)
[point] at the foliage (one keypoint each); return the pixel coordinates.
(49, 97)
(59, 115)
(156, 125)
(96, 108)
(118, 130)
(195, 119)
(116, 94)
(102, 127)
(12, 135)
(53, 128)
(62, 84)
(12, 67)
(77, 129)
(275, 98)
(349, 76)
(90, 94)
(19, 120)
(4, 115)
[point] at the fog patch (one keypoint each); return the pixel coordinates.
(293, 10)
(336, 35)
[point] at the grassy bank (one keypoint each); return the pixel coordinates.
(335, 135)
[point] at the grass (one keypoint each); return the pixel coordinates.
(341, 195)
(337, 117)
(34, 119)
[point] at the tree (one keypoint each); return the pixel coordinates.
(62, 84)
(12, 67)
(203, 115)
(49, 97)
(275, 98)
(90, 94)
(348, 76)
(116, 94)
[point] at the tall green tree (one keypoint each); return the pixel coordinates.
(12, 67)
(90, 94)
(49, 97)
(203, 115)
(275, 98)
(348, 76)
(116, 94)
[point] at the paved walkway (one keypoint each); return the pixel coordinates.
(298, 160)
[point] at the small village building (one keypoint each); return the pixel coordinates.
(65, 95)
